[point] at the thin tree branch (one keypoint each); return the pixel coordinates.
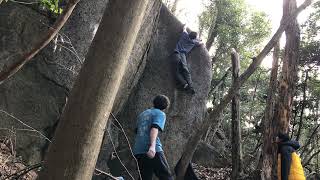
(8, 114)
(284, 23)
(23, 171)
(220, 82)
(124, 133)
(303, 106)
(29, 168)
(52, 32)
(26, 3)
(311, 157)
(114, 149)
(309, 140)
(107, 174)
(72, 51)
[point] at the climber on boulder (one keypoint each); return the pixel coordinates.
(185, 44)
(148, 148)
(289, 163)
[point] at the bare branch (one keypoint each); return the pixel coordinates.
(26, 3)
(124, 133)
(15, 118)
(24, 171)
(284, 23)
(311, 157)
(27, 56)
(309, 140)
(105, 173)
(115, 151)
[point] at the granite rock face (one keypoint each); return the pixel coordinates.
(186, 110)
(36, 95)
(209, 156)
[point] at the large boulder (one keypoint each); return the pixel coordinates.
(211, 156)
(29, 96)
(37, 94)
(186, 110)
(67, 55)
(62, 59)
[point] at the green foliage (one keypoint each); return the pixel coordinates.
(309, 49)
(52, 5)
(206, 18)
(314, 86)
(311, 27)
(242, 28)
(237, 26)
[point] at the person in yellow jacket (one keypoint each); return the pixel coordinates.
(289, 163)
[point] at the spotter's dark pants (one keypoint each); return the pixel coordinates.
(158, 165)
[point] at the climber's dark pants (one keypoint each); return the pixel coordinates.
(182, 73)
(158, 165)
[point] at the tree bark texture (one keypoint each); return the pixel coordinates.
(213, 28)
(303, 105)
(282, 113)
(235, 116)
(174, 6)
(289, 68)
(269, 125)
(76, 144)
(213, 119)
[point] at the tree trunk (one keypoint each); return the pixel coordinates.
(213, 119)
(303, 106)
(174, 6)
(289, 68)
(269, 150)
(211, 38)
(213, 28)
(75, 147)
(281, 117)
(254, 98)
(235, 116)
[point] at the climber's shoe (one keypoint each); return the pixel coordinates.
(191, 90)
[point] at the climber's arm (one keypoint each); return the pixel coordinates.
(153, 137)
(157, 125)
(185, 29)
(198, 42)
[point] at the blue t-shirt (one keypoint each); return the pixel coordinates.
(185, 44)
(146, 120)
